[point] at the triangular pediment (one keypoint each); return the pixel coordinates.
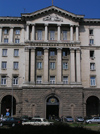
(52, 9)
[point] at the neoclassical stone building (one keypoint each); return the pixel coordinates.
(49, 63)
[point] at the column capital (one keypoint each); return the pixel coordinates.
(46, 24)
(33, 24)
(27, 24)
(71, 25)
(46, 48)
(76, 25)
(59, 48)
(78, 50)
(72, 48)
(11, 27)
(58, 25)
(22, 27)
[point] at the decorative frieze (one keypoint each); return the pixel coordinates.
(52, 18)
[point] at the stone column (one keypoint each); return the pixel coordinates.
(45, 80)
(33, 65)
(27, 31)
(59, 32)
(22, 35)
(78, 71)
(59, 65)
(0, 34)
(11, 35)
(26, 65)
(71, 33)
(72, 65)
(46, 32)
(77, 33)
(33, 32)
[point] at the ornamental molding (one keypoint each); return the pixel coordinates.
(52, 18)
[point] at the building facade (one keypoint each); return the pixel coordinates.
(49, 64)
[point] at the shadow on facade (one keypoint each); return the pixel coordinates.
(52, 108)
(6, 103)
(92, 106)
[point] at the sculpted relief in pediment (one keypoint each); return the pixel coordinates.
(52, 18)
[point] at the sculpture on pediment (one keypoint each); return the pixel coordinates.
(52, 18)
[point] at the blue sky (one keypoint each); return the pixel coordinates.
(89, 8)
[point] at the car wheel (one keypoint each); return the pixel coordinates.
(90, 122)
(13, 124)
(1, 124)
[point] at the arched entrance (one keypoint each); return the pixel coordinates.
(6, 103)
(92, 106)
(52, 107)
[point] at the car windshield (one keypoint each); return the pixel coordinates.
(79, 117)
(68, 117)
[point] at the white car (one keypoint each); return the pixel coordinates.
(37, 122)
(93, 120)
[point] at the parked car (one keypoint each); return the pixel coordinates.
(68, 119)
(93, 120)
(24, 118)
(37, 122)
(11, 121)
(79, 119)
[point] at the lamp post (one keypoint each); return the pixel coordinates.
(11, 96)
(12, 101)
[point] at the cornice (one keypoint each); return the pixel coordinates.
(52, 8)
(10, 19)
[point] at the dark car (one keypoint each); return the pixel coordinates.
(11, 121)
(79, 119)
(68, 119)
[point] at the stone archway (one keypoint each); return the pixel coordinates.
(52, 107)
(92, 106)
(6, 103)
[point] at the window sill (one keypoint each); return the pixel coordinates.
(92, 69)
(93, 86)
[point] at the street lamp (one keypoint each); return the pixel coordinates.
(12, 96)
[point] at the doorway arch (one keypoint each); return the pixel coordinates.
(52, 107)
(92, 106)
(6, 103)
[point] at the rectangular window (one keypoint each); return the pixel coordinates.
(39, 53)
(4, 65)
(65, 65)
(91, 41)
(5, 31)
(15, 80)
(64, 35)
(3, 80)
(15, 65)
(93, 81)
(39, 80)
(65, 79)
(52, 35)
(91, 32)
(52, 65)
(4, 52)
(16, 52)
(5, 40)
(17, 40)
(52, 79)
(39, 34)
(17, 31)
(39, 65)
(92, 66)
(52, 53)
(64, 53)
(91, 54)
